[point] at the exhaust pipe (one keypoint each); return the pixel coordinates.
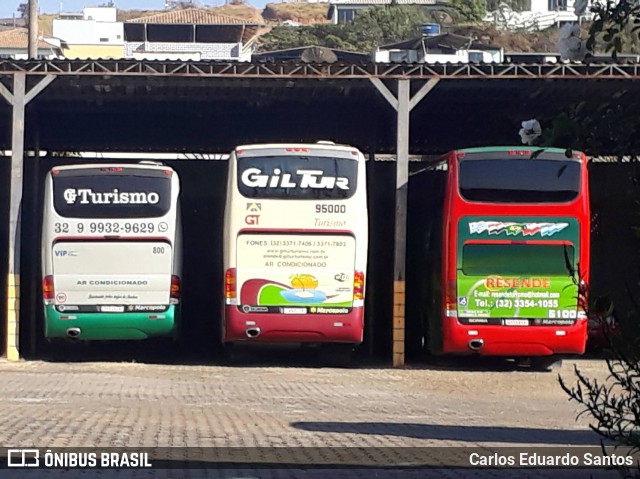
(252, 332)
(476, 344)
(73, 332)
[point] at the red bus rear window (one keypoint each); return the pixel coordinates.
(517, 259)
(519, 180)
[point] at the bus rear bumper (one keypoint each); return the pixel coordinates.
(515, 341)
(307, 328)
(108, 326)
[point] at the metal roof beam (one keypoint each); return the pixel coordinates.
(288, 69)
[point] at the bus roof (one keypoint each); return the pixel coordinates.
(487, 149)
(316, 146)
(85, 166)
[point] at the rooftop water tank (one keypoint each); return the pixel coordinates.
(430, 29)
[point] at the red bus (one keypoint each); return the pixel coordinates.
(499, 247)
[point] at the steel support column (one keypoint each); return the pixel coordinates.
(18, 100)
(403, 104)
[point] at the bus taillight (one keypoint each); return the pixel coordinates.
(450, 300)
(358, 285)
(230, 284)
(175, 289)
(47, 288)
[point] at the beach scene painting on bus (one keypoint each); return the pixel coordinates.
(274, 272)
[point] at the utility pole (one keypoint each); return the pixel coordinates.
(33, 29)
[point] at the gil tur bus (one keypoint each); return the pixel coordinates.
(499, 254)
(111, 251)
(295, 245)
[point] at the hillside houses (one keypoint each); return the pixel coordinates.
(190, 34)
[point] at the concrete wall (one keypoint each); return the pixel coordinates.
(89, 32)
(207, 51)
(94, 51)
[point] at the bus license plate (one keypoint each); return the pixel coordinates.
(294, 310)
(112, 309)
(516, 322)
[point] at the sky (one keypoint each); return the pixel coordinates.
(9, 7)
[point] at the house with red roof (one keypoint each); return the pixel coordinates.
(190, 34)
(14, 44)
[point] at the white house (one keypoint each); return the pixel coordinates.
(532, 15)
(343, 11)
(96, 34)
(445, 48)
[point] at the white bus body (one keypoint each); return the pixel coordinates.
(295, 244)
(111, 251)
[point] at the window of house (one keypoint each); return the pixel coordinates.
(475, 57)
(134, 32)
(558, 5)
(170, 33)
(398, 56)
(346, 15)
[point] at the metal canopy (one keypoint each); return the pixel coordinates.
(126, 105)
(306, 70)
(213, 106)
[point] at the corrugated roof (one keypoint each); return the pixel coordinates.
(191, 16)
(445, 40)
(19, 38)
(311, 53)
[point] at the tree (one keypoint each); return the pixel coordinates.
(469, 10)
(374, 27)
(282, 37)
(370, 28)
(606, 128)
(616, 24)
(615, 402)
(610, 127)
(23, 11)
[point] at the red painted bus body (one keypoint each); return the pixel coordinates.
(487, 301)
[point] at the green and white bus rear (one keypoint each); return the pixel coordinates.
(111, 252)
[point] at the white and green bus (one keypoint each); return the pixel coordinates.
(111, 251)
(295, 244)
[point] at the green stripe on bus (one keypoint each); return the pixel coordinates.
(110, 326)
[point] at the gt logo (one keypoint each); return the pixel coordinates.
(252, 219)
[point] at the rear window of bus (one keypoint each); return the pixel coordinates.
(97, 194)
(519, 180)
(297, 177)
(517, 259)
